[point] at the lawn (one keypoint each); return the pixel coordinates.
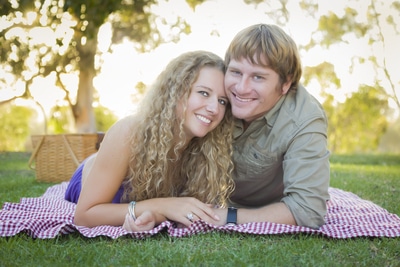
(372, 177)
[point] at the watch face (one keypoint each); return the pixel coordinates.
(231, 216)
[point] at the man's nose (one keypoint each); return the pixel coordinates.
(242, 85)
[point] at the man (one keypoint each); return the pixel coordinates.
(280, 137)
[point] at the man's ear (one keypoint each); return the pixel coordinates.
(286, 86)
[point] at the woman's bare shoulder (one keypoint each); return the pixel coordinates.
(124, 124)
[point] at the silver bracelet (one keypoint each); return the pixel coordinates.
(131, 209)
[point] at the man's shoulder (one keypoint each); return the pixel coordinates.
(301, 105)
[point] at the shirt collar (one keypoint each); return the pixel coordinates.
(270, 116)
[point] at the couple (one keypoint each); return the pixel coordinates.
(183, 157)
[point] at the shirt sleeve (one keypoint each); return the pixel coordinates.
(306, 175)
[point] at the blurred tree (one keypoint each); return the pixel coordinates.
(15, 127)
(324, 73)
(105, 118)
(60, 120)
(358, 124)
(389, 142)
(39, 38)
(276, 10)
(376, 32)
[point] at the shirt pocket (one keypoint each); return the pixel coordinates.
(261, 163)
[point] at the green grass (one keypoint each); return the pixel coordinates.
(372, 177)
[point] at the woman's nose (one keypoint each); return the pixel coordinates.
(212, 106)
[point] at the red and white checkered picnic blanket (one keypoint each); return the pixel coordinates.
(50, 215)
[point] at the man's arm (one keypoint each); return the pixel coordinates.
(306, 180)
(276, 213)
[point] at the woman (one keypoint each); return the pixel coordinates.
(170, 161)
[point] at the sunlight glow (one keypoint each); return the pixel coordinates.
(123, 68)
(31, 16)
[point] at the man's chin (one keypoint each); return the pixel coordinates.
(239, 113)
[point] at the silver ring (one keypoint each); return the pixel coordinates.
(189, 216)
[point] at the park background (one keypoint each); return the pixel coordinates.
(350, 52)
(78, 66)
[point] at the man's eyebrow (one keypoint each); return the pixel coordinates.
(232, 67)
(260, 73)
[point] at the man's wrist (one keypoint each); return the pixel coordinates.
(231, 218)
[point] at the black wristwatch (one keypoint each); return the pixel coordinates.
(231, 219)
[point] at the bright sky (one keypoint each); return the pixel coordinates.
(213, 25)
(126, 65)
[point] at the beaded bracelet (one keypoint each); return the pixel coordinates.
(131, 209)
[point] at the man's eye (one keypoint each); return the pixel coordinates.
(235, 72)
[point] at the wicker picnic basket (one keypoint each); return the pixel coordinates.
(56, 157)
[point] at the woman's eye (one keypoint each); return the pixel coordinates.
(222, 102)
(204, 93)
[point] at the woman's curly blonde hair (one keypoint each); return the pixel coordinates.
(161, 166)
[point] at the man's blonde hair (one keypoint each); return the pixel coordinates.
(268, 46)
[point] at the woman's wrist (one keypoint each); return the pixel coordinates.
(131, 210)
(154, 205)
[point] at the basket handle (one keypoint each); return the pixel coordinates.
(34, 153)
(100, 137)
(75, 160)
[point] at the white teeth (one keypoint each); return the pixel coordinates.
(203, 119)
(243, 99)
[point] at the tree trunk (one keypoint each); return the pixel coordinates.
(83, 109)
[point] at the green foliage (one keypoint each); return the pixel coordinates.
(93, 12)
(334, 28)
(194, 3)
(61, 120)
(390, 140)
(71, 29)
(104, 118)
(276, 10)
(14, 127)
(324, 73)
(357, 124)
(376, 32)
(372, 177)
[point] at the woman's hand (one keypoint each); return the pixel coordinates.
(185, 210)
(182, 210)
(146, 221)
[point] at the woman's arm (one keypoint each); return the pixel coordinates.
(102, 177)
